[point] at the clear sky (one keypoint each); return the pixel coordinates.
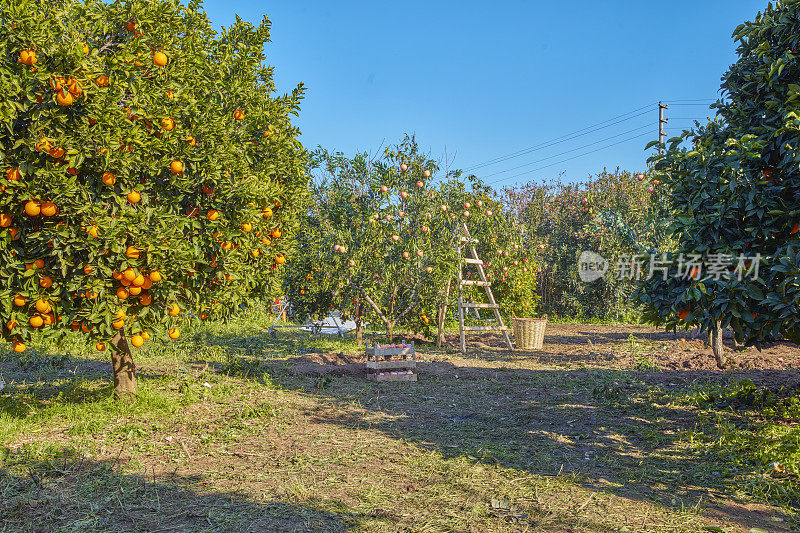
(482, 80)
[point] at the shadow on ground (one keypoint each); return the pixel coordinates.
(73, 494)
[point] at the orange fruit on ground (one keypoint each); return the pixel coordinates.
(167, 123)
(122, 293)
(145, 299)
(109, 178)
(212, 214)
(49, 209)
(129, 274)
(267, 212)
(155, 276)
(160, 59)
(5, 220)
(176, 167)
(36, 321)
(93, 232)
(247, 227)
(137, 340)
(117, 324)
(146, 335)
(88, 269)
(19, 347)
(133, 253)
(280, 259)
(134, 197)
(32, 208)
(174, 310)
(19, 300)
(134, 290)
(42, 306)
(64, 98)
(13, 174)
(276, 233)
(174, 333)
(238, 114)
(139, 280)
(45, 282)
(100, 346)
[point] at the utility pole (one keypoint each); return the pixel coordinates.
(661, 122)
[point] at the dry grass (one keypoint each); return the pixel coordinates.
(227, 436)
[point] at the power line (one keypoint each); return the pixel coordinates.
(695, 100)
(567, 151)
(563, 138)
(571, 158)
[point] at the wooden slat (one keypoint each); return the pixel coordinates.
(409, 364)
(403, 377)
(481, 306)
(473, 282)
(485, 328)
(473, 261)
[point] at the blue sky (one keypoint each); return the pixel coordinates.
(481, 80)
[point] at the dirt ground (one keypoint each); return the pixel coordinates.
(583, 435)
(600, 346)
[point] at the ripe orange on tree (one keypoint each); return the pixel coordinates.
(80, 138)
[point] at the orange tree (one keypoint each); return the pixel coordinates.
(612, 214)
(381, 240)
(148, 177)
(734, 183)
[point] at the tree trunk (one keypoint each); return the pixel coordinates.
(715, 338)
(389, 331)
(124, 370)
(359, 319)
(442, 316)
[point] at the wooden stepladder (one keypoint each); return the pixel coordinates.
(466, 240)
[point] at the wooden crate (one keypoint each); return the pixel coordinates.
(384, 361)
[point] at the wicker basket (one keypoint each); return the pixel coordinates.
(529, 332)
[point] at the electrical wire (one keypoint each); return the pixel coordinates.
(570, 158)
(568, 151)
(564, 138)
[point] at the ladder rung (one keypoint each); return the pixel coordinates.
(485, 328)
(475, 282)
(472, 261)
(480, 306)
(474, 241)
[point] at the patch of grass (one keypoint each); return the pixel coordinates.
(753, 432)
